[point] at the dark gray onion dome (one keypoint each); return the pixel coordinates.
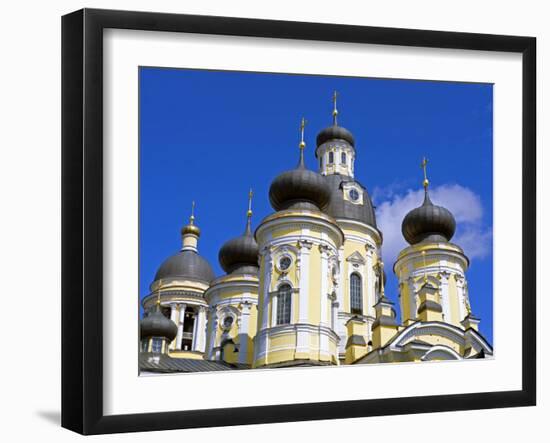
(428, 222)
(240, 254)
(338, 207)
(335, 132)
(299, 188)
(157, 325)
(185, 264)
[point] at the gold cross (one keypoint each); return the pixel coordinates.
(192, 218)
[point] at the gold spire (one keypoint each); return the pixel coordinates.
(191, 228)
(424, 165)
(249, 212)
(302, 128)
(192, 217)
(248, 229)
(335, 109)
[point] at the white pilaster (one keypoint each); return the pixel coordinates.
(180, 323)
(174, 318)
(370, 278)
(302, 337)
(213, 329)
(460, 295)
(199, 336)
(324, 285)
(244, 329)
(303, 305)
(445, 304)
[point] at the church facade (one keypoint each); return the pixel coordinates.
(307, 287)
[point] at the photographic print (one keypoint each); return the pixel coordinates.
(290, 220)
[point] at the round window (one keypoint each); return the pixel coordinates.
(227, 322)
(354, 195)
(284, 263)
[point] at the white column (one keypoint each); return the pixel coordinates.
(213, 329)
(324, 285)
(303, 303)
(334, 315)
(265, 290)
(341, 322)
(180, 327)
(244, 328)
(370, 276)
(460, 295)
(195, 341)
(302, 337)
(174, 318)
(412, 299)
(444, 280)
(201, 331)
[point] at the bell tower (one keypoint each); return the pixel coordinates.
(335, 147)
(432, 270)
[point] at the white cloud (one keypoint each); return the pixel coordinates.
(462, 202)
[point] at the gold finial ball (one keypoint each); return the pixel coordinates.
(335, 112)
(426, 183)
(249, 213)
(191, 229)
(302, 144)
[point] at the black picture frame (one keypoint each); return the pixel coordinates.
(82, 220)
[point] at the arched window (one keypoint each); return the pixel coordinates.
(356, 294)
(156, 345)
(284, 298)
(321, 163)
(344, 158)
(331, 157)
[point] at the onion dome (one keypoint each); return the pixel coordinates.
(187, 264)
(240, 254)
(335, 132)
(157, 325)
(299, 188)
(340, 207)
(428, 222)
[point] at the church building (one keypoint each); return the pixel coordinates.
(307, 286)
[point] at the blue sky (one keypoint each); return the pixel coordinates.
(209, 136)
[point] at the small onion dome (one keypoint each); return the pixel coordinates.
(335, 132)
(428, 222)
(191, 229)
(299, 188)
(185, 264)
(240, 254)
(157, 325)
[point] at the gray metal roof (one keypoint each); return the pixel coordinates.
(186, 264)
(338, 207)
(162, 363)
